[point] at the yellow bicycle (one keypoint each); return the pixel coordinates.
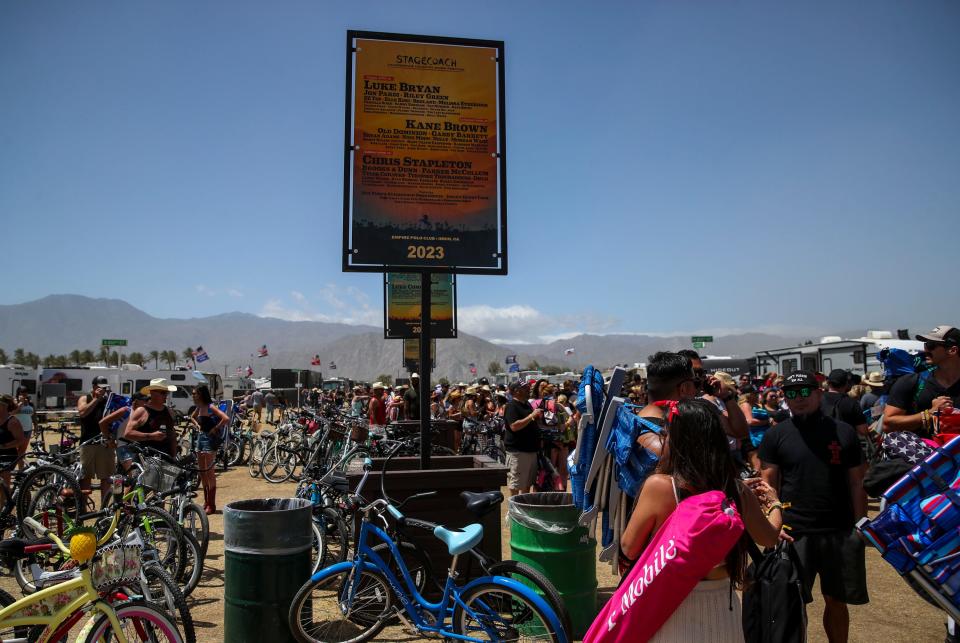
(52, 613)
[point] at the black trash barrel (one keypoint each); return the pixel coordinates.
(267, 558)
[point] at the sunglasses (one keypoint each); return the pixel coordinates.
(802, 392)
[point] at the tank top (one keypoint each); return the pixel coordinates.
(5, 435)
(155, 420)
(25, 415)
(209, 421)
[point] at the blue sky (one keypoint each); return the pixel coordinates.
(673, 166)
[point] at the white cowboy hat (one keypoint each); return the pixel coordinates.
(377, 385)
(874, 379)
(158, 384)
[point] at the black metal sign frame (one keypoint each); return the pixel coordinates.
(412, 330)
(376, 255)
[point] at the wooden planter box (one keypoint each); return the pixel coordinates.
(449, 476)
(443, 430)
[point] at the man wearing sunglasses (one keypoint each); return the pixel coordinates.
(814, 463)
(915, 400)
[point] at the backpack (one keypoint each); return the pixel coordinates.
(696, 537)
(774, 602)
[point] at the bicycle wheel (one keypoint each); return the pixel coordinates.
(529, 576)
(159, 589)
(498, 613)
(8, 633)
(161, 532)
(329, 539)
(234, 452)
(195, 522)
(340, 609)
(256, 455)
(270, 463)
(140, 621)
(192, 565)
(49, 474)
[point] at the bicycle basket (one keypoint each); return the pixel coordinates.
(116, 565)
(159, 475)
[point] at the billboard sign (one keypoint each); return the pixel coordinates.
(424, 162)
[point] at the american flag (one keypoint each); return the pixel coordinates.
(473, 368)
(511, 359)
(315, 361)
(333, 366)
(262, 351)
(200, 355)
(249, 371)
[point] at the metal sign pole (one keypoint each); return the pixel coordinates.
(423, 393)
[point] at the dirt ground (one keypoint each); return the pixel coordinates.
(895, 613)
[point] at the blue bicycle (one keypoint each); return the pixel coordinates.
(352, 601)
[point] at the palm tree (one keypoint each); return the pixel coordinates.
(19, 356)
(494, 368)
(155, 356)
(104, 354)
(170, 357)
(33, 360)
(75, 357)
(48, 361)
(86, 356)
(114, 358)
(3, 356)
(136, 358)
(187, 355)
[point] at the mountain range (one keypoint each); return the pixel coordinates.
(58, 324)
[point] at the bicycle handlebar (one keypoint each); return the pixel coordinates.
(40, 530)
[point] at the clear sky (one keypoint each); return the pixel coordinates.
(673, 166)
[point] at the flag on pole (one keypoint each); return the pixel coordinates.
(333, 366)
(262, 351)
(569, 351)
(239, 370)
(200, 355)
(315, 361)
(249, 371)
(473, 368)
(511, 359)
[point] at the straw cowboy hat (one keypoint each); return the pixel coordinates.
(377, 385)
(874, 379)
(471, 390)
(158, 384)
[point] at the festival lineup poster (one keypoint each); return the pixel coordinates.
(411, 354)
(425, 170)
(403, 306)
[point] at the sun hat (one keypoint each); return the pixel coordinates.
(471, 390)
(455, 393)
(874, 379)
(485, 387)
(158, 384)
(377, 385)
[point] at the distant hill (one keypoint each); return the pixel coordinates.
(59, 324)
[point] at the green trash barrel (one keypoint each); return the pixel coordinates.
(545, 534)
(267, 558)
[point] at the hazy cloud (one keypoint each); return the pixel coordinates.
(521, 324)
(352, 309)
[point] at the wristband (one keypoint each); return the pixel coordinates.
(777, 505)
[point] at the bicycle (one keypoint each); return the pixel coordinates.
(356, 596)
(51, 613)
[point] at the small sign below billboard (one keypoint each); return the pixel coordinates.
(402, 306)
(411, 354)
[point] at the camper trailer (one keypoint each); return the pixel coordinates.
(13, 376)
(61, 388)
(858, 355)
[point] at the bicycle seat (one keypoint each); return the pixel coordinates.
(458, 542)
(481, 503)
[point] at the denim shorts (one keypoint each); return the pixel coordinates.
(208, 442)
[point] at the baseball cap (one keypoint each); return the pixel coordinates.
(100, 382)
(799, 379)
(519, 384)
(943, 333)
(838, 377)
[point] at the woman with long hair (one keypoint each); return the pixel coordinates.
(758, 421)
(11, 435)
(210, 422)
(696, 460)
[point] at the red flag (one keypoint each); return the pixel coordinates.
(315, 361)
(262, 351)
(249, 371)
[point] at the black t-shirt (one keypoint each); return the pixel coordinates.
(903, 394)
(527, 439)
(90, 423)
(842, 407)
(814, 456)
(412, 401)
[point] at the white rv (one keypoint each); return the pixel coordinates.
(60, 388)
(13, 376)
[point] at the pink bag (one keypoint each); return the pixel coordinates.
(694, 539)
